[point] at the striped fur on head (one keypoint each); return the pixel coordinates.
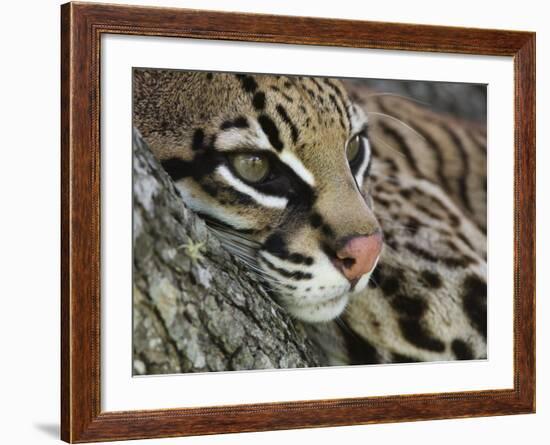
(289, 227)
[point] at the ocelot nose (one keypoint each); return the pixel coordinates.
(358, 256)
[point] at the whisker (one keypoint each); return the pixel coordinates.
(405, 230)
(215, 226)
(239, 250)
(251, 263)
(374, 281)
(244, 246)
(385, 144)
(232, 242)
(245, 249)
(263, 275)
(243, 256)
(345, 328)
(399, 121)
(237, 237)
(397, 225)
(412, 99)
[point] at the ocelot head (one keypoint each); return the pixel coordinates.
(278, 167)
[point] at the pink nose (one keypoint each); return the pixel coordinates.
(358, 256)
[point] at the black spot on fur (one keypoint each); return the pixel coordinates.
(461, 350)
(393, 244)
(210, 189)
(240, 198)
(287, 97)
(409, 307)
(294, 275)
(411, 311)
(383, 202)
(400, 358)
(209, 76)
(386, 279)
(270, 129)
(389, 285)
(448, 261)
(248, 83)
(327, 231)
(452, 245)
(360, 351)
(413, 225)
(177, 168)
(428, 211)
(340, 95)
(298, 258)
(315, 220)
(455, 220)
(317, 84)
(417, 334)
(209, 218)
(338, 109)
(475, 302)
(377, 276)
(431, 279)
(204, 162)
(275, 245)
(239, 122)
(198, 139)
(405, 193)
(465, 240)
(392, 165)
(259, 100)
(284, 116)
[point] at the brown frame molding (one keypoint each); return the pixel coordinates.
(81, 28)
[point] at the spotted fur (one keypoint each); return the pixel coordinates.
(420, 179)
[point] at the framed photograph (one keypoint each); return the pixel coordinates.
(274, 222)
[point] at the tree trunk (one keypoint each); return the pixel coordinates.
(196, 307)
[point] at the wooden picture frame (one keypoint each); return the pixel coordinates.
(82, 26)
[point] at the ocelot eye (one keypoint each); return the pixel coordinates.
(352, 150)
(251, 167)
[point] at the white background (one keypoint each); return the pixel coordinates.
(121, 392)
(29, 239)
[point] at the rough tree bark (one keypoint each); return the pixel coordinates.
(196, 308)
